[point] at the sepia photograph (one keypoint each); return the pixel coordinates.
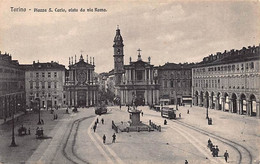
(129, 82)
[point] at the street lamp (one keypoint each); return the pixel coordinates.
(13, 144)
(39, 122)
(207, 107)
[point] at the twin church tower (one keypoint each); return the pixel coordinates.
(135, 82)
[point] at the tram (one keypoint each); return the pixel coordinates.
(168, 112)
(101, 109)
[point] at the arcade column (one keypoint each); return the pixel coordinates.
(76, 98)
(68, 98)
(239, 106)
(87, 103)
(145, 96)
(257, 109)
(223, 103)
(216, 103)
(248, 107)
(210, 102)
(231, 108)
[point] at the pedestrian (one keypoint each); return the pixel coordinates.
(188, 111)
(186, 162)
(54, 117)
(97, 120)
(226, 155)
(179, 115)
(42, 121)
(209, 141)
(104, 138)
(29, 131)
(114, 138)
(102, 121)
(165, 122)
(142, 114)
(213, 151)
(94, 128)
(216, 151)
(120, 106)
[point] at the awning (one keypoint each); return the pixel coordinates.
(186, 98)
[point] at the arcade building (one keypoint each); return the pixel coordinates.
(136, 81)
(80, 87)
(229, 81)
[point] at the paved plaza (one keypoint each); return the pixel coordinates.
(71, 138)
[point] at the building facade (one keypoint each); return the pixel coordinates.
(44, 83)
(229, 81)
(175, 83)
(12, 86)
(80, 85)
(136, 81)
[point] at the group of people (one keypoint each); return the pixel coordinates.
(23, 131)
(113, 140)
(96, 122)
(55, 116)
(39, 131)
(214, 149)
(104, 136)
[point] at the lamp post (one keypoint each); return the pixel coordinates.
(13, 144)
(39, 121)
(207, 107)
(207, 113)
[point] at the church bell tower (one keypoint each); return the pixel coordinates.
(118, 57)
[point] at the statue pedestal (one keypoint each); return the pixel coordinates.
(135, 117)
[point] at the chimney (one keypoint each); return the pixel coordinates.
(93, 61)
(149, 59)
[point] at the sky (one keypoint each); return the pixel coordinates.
(167, 31)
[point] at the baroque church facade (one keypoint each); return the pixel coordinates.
(135, 82)
(80, 86)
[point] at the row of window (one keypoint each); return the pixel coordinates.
(37, 94)
(177, 73)
(37, 85)
(42, 74)
(11, 71)
(233, 67)
(11, 86)
(178, 83)
(208, 83)
(214, 84)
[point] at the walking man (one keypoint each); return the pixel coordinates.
(186, 162)
(104, 138)
(114, 138)
(94, 128)
(102, 121)
(216, 151)
(226, 156)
